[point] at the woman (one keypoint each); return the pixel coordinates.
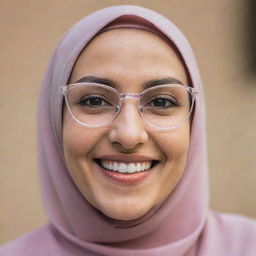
(123, 157)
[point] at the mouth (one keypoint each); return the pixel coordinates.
(126, 167)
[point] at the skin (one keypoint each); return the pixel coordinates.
(130, 58)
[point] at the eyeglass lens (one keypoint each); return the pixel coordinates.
(164, 106)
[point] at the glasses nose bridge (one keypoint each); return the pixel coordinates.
(135, 96)
(130, 95)
(131, 110)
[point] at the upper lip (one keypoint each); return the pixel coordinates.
(126, 159)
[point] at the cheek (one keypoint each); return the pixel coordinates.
(74, 143)
(175, 143)
(174, 146)
(78, 141)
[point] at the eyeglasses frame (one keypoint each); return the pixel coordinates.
(64, 89)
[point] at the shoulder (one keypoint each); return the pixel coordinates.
(236, 226)
(34, 243)
(230, 234)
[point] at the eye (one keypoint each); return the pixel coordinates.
(93, 101)
(163, 101)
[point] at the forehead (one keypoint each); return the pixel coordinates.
(129, 53)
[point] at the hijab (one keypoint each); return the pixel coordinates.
(182, 225)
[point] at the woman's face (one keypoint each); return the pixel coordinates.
(130, 58)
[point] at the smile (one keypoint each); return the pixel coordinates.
(127, 168)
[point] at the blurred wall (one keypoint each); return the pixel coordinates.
(29, 32)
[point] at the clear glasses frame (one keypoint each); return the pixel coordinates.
(137, 96)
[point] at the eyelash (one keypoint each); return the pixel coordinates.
(163, 100)
(165, 97)
(83, 100)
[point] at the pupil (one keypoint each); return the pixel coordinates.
(95, 101)
(159, 102)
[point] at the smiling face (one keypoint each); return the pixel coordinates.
(129, 58)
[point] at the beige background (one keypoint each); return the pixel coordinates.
(29, 32)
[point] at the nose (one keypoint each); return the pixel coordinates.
(128, 129)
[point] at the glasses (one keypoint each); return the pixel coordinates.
(163, 107)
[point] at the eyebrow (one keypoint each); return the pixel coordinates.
(98, 80)
(166, 80)
(111, 83)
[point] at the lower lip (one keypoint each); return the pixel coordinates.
(122, 178)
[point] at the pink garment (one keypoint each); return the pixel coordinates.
(183, 225)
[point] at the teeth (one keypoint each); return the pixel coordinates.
(115, 166)
(121, 168)
(138, 167)
(124, 167)
(131, 168)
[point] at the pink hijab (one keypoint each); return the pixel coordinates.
(182, 225)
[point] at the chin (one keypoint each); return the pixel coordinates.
(125, 213)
